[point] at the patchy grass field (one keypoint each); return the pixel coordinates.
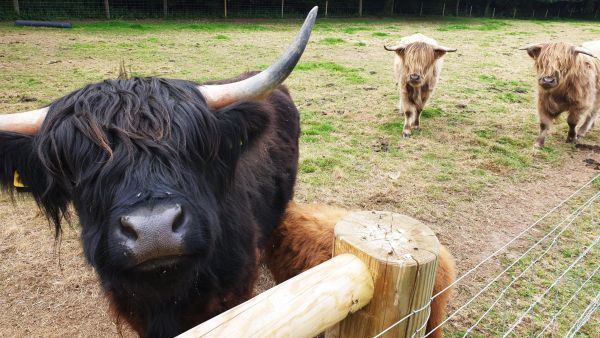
(471, 172)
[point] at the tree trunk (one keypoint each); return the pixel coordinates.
(388, 7)
(107, 9)
(488, 5)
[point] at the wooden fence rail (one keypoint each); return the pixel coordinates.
(384, 268)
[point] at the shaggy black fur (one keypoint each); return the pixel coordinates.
(119, 144)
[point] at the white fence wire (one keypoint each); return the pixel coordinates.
(563, 225)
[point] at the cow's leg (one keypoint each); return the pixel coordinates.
(545, 124)
(573, 121)
(410, 115)
(587, 125)
(417, 123)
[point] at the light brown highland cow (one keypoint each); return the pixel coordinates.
(305, 239)
(569, 80)
(417, 68)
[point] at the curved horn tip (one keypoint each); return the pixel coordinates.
(260, 85)
(585, 51)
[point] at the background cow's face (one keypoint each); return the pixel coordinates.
(146, 165)
(554, 62)
(419, 62)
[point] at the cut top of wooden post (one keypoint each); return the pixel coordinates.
(393, 238)
(401, 254)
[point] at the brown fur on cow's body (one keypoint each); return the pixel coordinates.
(305, 239)
(417, 67)
(568, 81)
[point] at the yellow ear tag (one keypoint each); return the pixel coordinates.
(17, 181)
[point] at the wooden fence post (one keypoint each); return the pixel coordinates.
(546, 16)
(16, 7)
(401, 254)
(225, 8)
(494, 12)
(282, 4)
(470, 11)
(360, 8)
(421, 11)
(514, 12)
(107, 9)
(165, 8)
(444, 9)
(326, 8)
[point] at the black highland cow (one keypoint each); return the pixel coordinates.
(177, 186)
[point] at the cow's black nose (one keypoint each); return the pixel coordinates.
(153, 233)
(415, 77)
(549, 79)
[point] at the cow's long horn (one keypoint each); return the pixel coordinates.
(394, 48)
(531, 45)
(28, 122)
(585, 51)
(261, 84)
(445, 49)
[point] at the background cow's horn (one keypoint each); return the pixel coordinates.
(394, 48)
(585, 51)
(531, 45)
(260, 85)
(28, 122)
(446, 49)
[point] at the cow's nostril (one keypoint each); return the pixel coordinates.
(127, 228)
(415, 77)
(177, 217)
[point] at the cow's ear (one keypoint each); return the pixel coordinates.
(16, 152)
(240, 125)
(21, 169)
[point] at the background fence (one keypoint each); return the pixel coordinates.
(115, 9)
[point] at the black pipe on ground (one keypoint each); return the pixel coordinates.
(54, 24)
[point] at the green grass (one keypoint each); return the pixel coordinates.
(351, 75)
(380, 34)
(222, 37)
(484, 25)
(332, 41)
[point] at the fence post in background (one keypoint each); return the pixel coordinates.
(16, 7)
(360, 8)
(326, 7)
(225, 8)
(570, 14)
(494, 12)
(282, 3)
(558, 14)
(401, 254)
(165, 8)
(514, 12)
(107, 9)
(457, 8)
(421, 11)
(546, 16)
(444, 10)
(470, 11)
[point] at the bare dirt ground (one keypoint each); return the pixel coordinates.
(471, 173)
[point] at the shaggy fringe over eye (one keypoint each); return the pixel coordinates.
(555, 57)
(418, 56)
(104, 129)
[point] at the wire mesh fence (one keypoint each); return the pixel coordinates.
(138, 9)
(543, 282)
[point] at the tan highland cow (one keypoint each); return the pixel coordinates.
(569, 80)
(305, 239)
(417, 68)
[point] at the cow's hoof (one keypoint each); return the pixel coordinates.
(538, 145)
(571, 140)
(406, 135)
